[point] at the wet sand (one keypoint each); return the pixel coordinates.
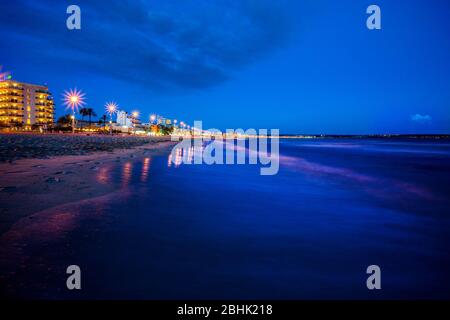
(28, 186)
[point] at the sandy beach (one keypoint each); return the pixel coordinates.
(39, 172)
(29, 145)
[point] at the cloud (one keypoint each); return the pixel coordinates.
(420, 118)
(162, 44)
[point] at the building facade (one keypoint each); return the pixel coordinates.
(25, 105)
(124, 120)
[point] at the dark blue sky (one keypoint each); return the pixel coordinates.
(301, 66)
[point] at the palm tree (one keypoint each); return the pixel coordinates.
(103, 121)
(83, 113)
(90, 113)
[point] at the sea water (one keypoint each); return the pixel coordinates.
(180, 231)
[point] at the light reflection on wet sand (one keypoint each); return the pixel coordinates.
(127, 169)
(180, 156)
(103, 175)
(145, 169)
(175, 158)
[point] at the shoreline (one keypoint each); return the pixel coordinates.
(28, 186)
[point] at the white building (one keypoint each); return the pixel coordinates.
(123, 119)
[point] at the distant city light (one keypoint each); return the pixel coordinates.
(4, 75)
(135, 114)
(152, 117)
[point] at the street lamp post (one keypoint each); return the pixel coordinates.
(73, 99)
(73, 122)
(111, 108)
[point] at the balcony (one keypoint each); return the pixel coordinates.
(12, 101)
(11, 115)
(9, 108)
(11, 94)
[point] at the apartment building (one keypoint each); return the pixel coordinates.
(24, 105)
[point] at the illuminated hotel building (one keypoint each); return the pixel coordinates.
(123, 119)
(23, 104)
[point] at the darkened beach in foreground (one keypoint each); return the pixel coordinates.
(144, 227)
